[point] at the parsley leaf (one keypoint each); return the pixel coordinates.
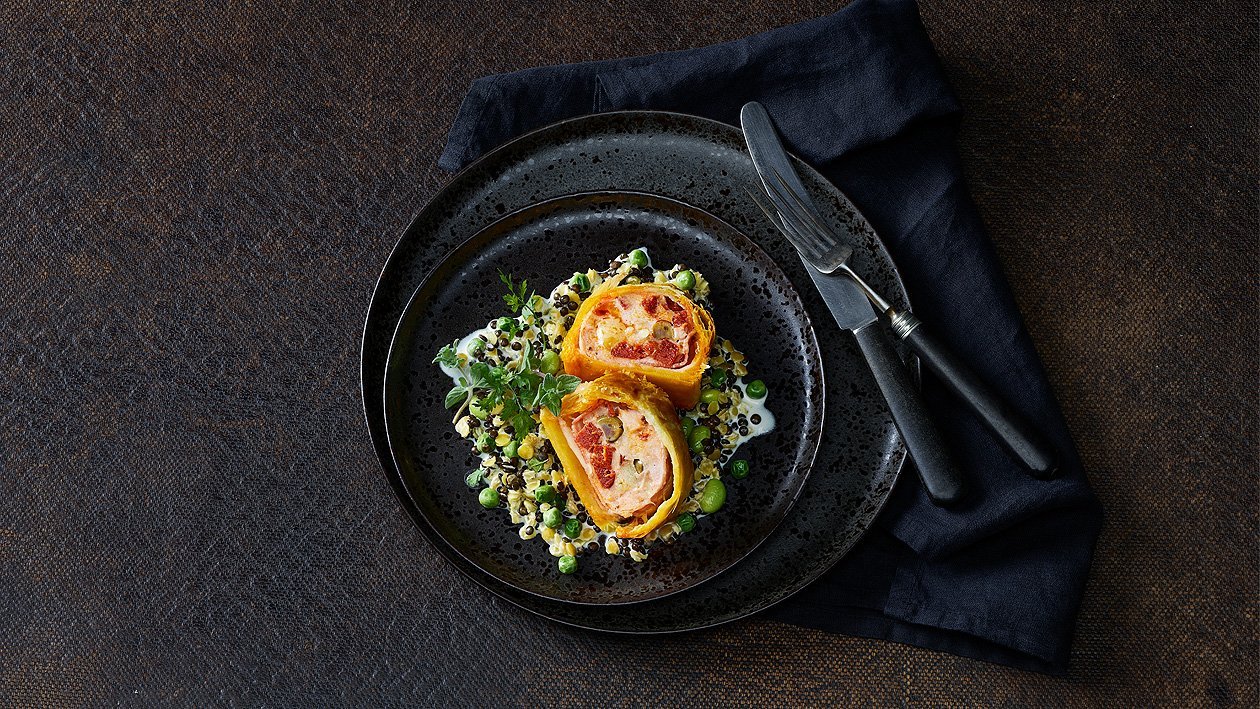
(518, 295)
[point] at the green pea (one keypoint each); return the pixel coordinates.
(685, 280)
(687, 424)
(489, 498)
(567, 564)
(504, 324)
(553, 517)
(510, 449)
(710, 396)
(697, 437)
(550, 362)
(572, 528)
(473, 479)
(686, 522)
(717, 376)
(474, 408)
(638, 258)
(739, 469)
(713, 496)
(477, 346)
(580, 282)
(485, 443)
(547, 494)
(756, 389)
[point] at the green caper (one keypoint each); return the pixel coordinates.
(713, 496)
(686, 522)
(756, 389)
(710, 396)
(485, 443)
(547, 494)
(572, 528)
(489, 498)
(610, 426)
(473, 479)
(739, 469)
(580, 282)
(474, 408)
(477, 346)
(687, 424)
(717, 376)
(511, 449)
(549, 363)
(638, 258)
(685, 280)
(553, 517)
(567, 564)
(504, 324)
(697, 437)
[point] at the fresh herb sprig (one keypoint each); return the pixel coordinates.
(518, 296)
(521, 390)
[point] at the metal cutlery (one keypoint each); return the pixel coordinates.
(810, 233)
(852, 311)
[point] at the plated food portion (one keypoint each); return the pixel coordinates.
(607, 414)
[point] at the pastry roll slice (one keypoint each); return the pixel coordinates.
(623, 452)
(649, 329)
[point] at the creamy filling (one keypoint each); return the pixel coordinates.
(624, 457)
(644, 328)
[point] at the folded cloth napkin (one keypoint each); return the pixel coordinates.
(861, 95)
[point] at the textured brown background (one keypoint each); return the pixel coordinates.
(196, 201)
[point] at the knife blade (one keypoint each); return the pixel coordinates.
(852, 311)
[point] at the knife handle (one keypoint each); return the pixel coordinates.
(1018, 436)
(940, 476)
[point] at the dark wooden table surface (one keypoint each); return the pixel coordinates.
(196, 200)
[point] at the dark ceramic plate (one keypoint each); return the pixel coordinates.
(703, 163)
(754, 306)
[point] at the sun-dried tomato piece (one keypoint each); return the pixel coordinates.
(627, 350)
(589, 437)
(667, 353)
(601, 461)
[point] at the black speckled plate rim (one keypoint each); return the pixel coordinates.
(620, 196)
(376, 436)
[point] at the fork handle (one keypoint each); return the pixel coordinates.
(940, 476)
(1015, 433)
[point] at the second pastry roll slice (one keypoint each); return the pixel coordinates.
(651, 329)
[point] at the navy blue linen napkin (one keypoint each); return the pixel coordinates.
(860, 94)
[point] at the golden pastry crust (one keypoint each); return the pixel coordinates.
(680, 378)
(638, 394)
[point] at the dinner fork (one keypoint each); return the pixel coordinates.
(811, 236)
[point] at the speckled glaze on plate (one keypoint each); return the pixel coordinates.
(754, 305)
(705, 164)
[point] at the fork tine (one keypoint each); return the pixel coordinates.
(767, 210)
(794, 234)
(781, 224)
(775, 189)
(824, 232)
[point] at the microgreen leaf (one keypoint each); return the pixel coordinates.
(456, 396)
(448, 356)
(552, 389)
